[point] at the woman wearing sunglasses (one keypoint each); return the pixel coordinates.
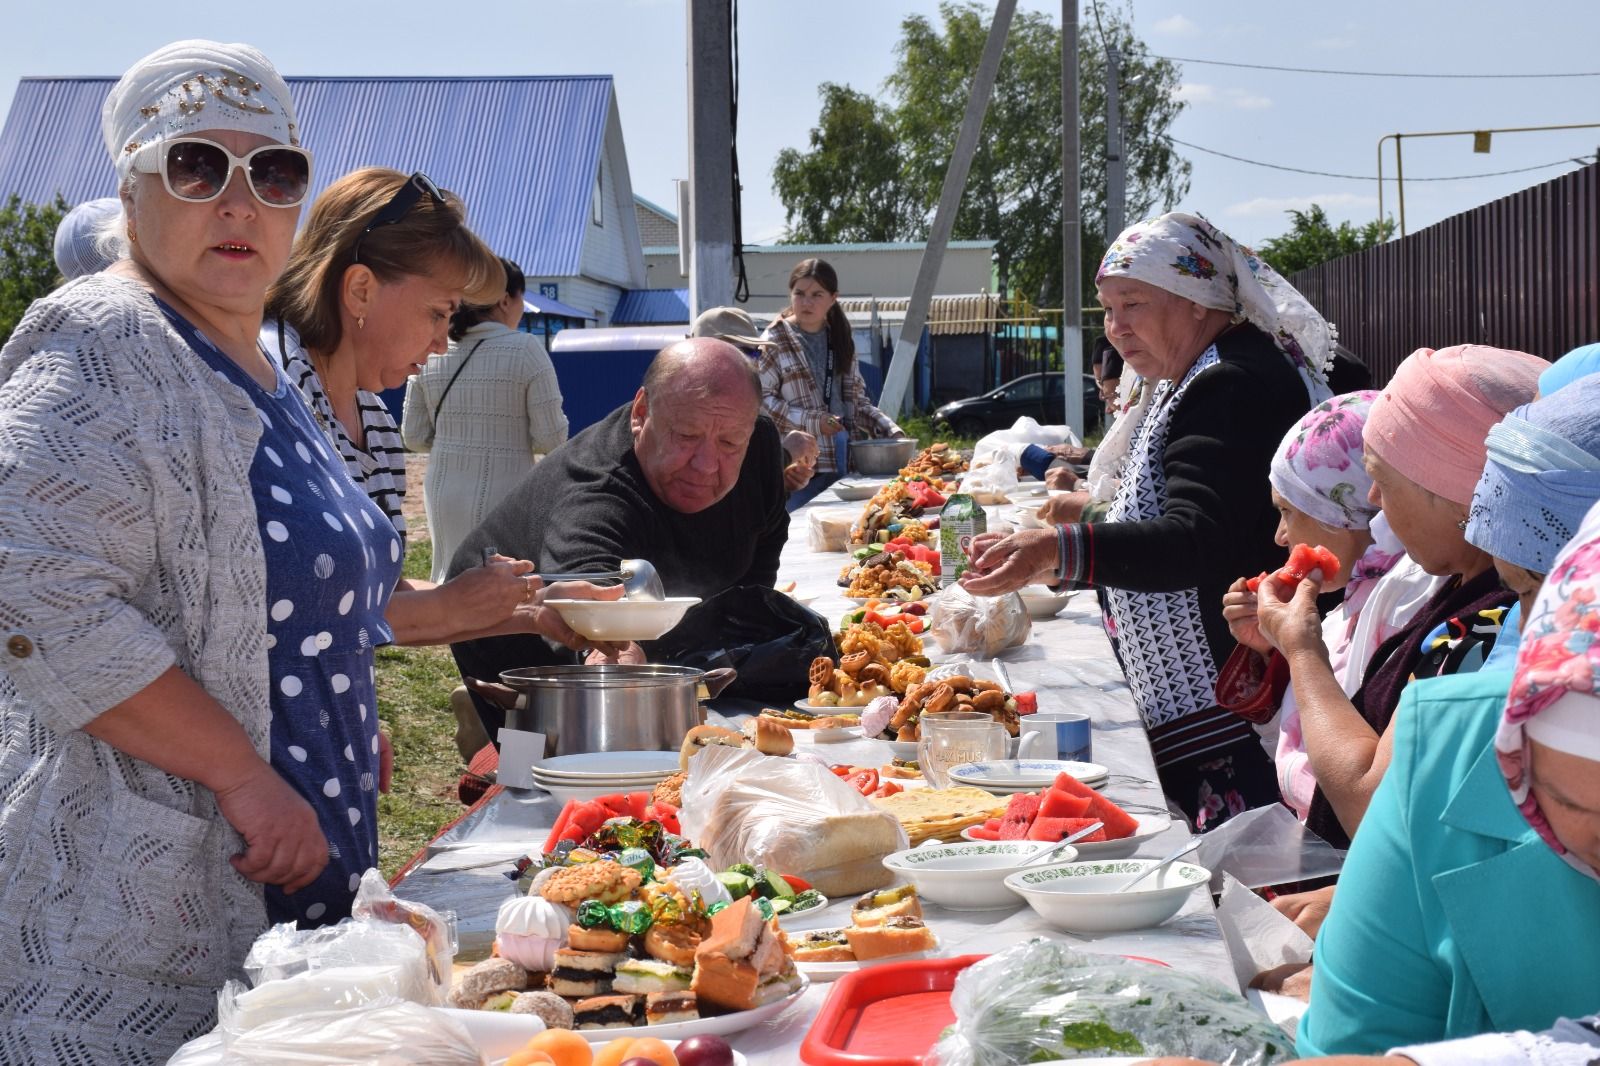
(159, 484)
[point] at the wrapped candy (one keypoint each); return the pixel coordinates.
(630, 916)
(640, 860)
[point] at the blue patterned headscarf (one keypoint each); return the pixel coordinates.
(1542, 477)
(1580, 362)
(1188, 256)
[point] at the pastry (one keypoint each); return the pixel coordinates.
(599, 938)
(583, 973)
(692, 876)
(673, 943)
(663, 1007)
(487, 979)
(703, 735)
(529, 930)
(642, 976)
(670, 790)
(768, 736)
(606, 1012)
(896, 936)
(608, 882)
(823, 945)
(875, 908)
(550, 1008)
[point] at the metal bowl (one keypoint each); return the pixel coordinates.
(606, 707)
(884, 456)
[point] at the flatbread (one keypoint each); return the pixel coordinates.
(941, 814)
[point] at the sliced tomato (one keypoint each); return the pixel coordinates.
(842, 770)
(799, 884)
(915, 624)
(887, 789)
(864, 781)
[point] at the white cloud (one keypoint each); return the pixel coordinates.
(1176, 26)
(1277, 206)
(1199, 93)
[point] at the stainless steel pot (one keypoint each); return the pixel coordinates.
(883, 456)
(609, 708)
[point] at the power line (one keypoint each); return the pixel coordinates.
(1371, 73)
(1363, 177)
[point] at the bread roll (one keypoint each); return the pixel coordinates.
(769, 737)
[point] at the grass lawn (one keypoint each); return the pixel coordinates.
(414, 704)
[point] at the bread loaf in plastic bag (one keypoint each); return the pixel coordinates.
(978, 625)
(788, 815)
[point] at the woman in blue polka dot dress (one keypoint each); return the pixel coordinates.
(332, 560)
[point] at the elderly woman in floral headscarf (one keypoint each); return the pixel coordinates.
(1232, 355)
(1471, 899)
(1320, 490)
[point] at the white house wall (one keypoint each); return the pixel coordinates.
(611, 252)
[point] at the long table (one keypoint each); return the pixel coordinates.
(1067, 660)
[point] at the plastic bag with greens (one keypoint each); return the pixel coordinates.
(1041, 1001)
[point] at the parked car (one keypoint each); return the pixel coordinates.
(1037, 395)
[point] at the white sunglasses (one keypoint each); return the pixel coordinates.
(198, 170)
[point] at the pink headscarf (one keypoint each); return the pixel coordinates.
(1431, 421)
(1555, 696)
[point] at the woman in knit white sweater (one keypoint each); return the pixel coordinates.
(488, 409)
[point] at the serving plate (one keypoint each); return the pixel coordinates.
(858, 488)
(499, 1035)
(1027, 773)
(623, 620)
(592, 766)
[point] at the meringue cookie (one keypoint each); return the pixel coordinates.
(693, 875)
(529, 930)
(875, 715)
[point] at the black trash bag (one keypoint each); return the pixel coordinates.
(760, 632)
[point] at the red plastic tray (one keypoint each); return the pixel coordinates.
(888, 1015)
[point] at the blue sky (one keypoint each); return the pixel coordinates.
(1314, 122)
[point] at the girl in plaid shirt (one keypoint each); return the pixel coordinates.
(809, 378)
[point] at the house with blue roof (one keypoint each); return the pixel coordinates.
(539, 162)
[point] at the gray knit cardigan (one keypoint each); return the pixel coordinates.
(128, 544)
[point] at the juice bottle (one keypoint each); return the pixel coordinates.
(960, 520)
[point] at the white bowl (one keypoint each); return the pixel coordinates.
(1082, 897)
(1042, 602)
(969, 876)
(623, 620)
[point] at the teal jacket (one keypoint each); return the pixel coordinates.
(1452, 917)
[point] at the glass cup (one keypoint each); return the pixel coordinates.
(952, 738)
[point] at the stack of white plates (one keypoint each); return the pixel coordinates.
(600, 773)
(1002, 776)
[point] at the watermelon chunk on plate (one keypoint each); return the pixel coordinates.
(1119, 823)
(983, 832)
(1072, 825)
(1022, 809)
(1058, 804)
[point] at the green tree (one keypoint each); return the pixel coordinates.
(1013, 192)
(1312, 240)
(847, 186)
(27, 256)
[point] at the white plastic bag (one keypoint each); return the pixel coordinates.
(790, 816)
(981, 625)
(995, 457)
(337, 967)
(374, 902)
(385, 1033)
(1267, 846)
(1043, 1000)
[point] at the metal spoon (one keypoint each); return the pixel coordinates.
(1193, 842)
(639, 578)
(1073, 839)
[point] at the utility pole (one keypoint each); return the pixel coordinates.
(898, 378)
(710, 218)
(1071, 224)
(1116, 170)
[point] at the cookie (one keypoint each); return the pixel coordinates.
(608, 882)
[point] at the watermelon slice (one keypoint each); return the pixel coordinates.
(1072, 825)
(1020, 813)
(1058, 804)
(1119, 823)
(637, 802)
(993, 825)
(587, 816)
(983, 832)
(1073, 787)
(1048, 829)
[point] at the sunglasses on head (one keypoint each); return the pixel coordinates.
(400, 204)
(198, 170)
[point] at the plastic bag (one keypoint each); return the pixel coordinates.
(375, 902)
(983, 625)
(764, 635)
(351, 964)
(385, 1033)
(1043, 1000)
(829, 531)
(1267, 846)
(995, 457)
(790, 816)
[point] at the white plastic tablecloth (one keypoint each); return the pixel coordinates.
(1067, 660)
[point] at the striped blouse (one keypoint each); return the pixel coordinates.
(378, 464)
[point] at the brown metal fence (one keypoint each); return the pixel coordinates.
(1522, 272)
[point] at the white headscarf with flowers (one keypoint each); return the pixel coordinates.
(1555, 696)
(1186, 255)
